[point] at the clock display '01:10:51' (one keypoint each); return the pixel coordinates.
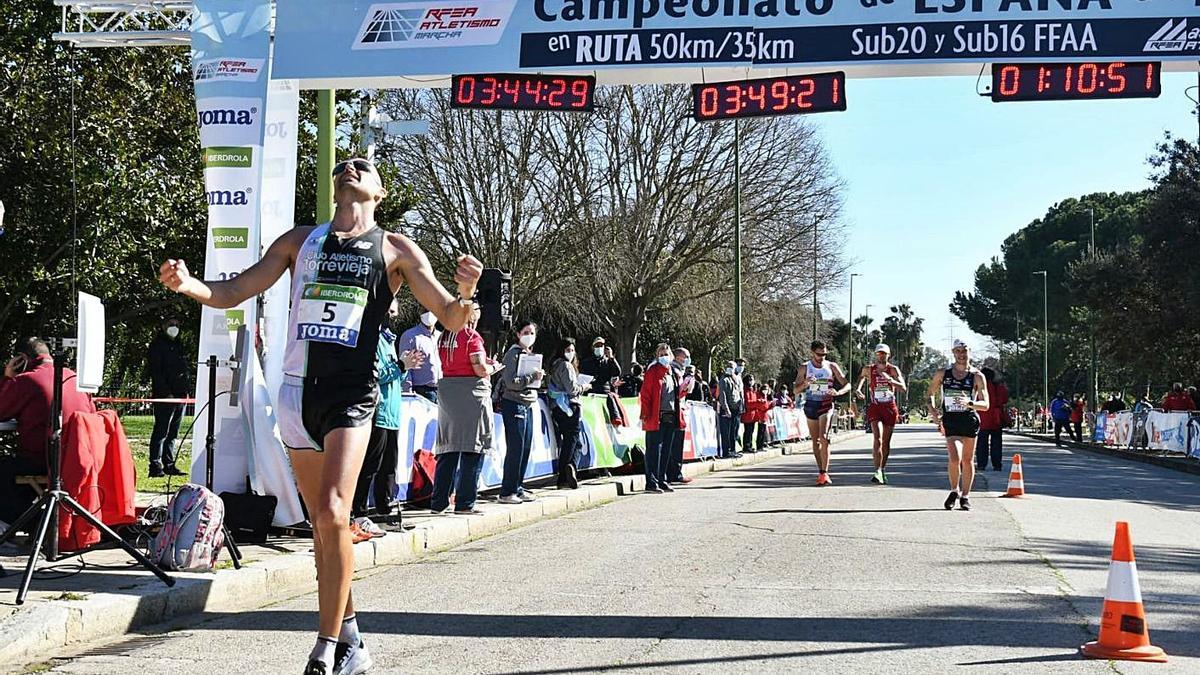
(1086, 80)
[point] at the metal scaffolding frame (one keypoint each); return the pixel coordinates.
(129, 23)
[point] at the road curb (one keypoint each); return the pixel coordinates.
(1181, 465)
(45, 630)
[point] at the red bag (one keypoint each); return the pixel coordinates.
(420, 488)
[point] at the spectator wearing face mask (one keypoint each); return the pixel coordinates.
(169, 369)
(422, 339)
(517, 398)
(730, 405)
(564, 391)
(601, 366)
(662, 419)
(685, 373)
(758, 402)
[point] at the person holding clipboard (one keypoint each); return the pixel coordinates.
(520, 382)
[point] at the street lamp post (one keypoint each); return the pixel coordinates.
(850, 326)
(1094, 376)
(1045, 338)
(816, 272)
(737, 240)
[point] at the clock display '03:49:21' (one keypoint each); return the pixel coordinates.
(789, 95)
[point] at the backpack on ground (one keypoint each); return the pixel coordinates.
(191, 536)
(420, 488)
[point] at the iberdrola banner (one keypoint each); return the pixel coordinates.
(231, 45)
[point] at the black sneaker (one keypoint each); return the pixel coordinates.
(949, 503)
(174, 471)
(156, 471)
(316, 667)
(964, 504)
(666, 487)
(654, 490)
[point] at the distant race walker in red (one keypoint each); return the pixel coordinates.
(884, 380)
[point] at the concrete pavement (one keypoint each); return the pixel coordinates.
(757, 570)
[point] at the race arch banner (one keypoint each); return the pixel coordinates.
(323, 43)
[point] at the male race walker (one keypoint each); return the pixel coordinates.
(344, 275)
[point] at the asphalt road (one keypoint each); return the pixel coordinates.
(758, 570)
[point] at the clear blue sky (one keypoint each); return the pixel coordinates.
(938, 176)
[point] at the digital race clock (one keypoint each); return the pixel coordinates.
(524, 92)
(1071, 81)
(822, 92)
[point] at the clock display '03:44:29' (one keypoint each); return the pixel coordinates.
(524, 92)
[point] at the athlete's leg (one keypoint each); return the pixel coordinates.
(876, 441)
(824, 424)
(953, 461)
(815, 434)
(329, 510)
(308, 466)
(968, 465)
(885, 443)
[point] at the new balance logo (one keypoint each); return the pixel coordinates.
(1174, 37)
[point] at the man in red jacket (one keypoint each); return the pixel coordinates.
(662, 405)
(990, 440)
(26, 393)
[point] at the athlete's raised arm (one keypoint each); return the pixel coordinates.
(863, 374)
(413, 265)
(256, 279)
(898, 381)
(840, 378)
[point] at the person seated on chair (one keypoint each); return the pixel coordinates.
(26, 394)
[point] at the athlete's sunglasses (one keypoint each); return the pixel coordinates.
(821, 354)
(360, 165)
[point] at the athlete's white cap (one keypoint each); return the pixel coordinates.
(881, 347)
(959, 344)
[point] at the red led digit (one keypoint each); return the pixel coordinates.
(1043, 85)
(1070, 77)
(1149, 77)
(466, 90)
(1010, 80)
(490, 95)
(1116, 78)
(579, 89)
(733, 99)
(533, 89)
(1086, 86)
(758, 94)
(807, 87)
(708, 102)
(779, 92)
(512, 89)
(558, 87)
(837, 91)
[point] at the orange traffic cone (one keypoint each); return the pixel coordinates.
(1016, 479)
(1123, 631)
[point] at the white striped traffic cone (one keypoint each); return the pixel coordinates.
(1123, 631)
(1016, 479)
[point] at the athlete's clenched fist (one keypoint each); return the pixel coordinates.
(467, 275)
(174, 274)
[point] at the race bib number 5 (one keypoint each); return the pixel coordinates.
(331, 313)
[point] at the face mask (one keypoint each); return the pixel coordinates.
(428, 318)
(599, 352)
(570, 356)
(172, 332)
(664, 360)
(528, 340)
(729, 371)
(687, 362)
(739, 370)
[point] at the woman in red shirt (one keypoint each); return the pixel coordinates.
(465, 424)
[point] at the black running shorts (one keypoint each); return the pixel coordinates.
(964, 424)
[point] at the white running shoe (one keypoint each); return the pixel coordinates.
(352, 660)
(367, 525)
(510, 499)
